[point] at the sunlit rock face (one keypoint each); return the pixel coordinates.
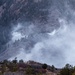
(37, 30)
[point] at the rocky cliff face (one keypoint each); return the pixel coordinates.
(20, 11)
(23, 10)
(15, 11)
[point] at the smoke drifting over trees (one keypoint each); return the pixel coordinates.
(38, 30)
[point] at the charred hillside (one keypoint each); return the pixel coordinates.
(23, 10)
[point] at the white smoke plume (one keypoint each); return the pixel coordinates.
(56, 47)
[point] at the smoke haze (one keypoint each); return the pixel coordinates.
(55, 48)
(48, 40)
